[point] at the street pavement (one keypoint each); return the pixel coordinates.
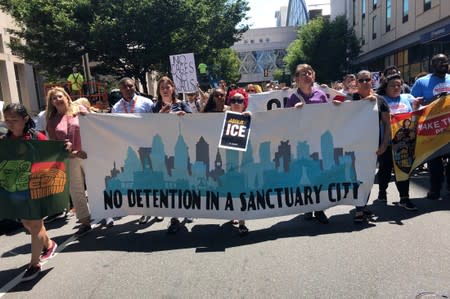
(401, 254)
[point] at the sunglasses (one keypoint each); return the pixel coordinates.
(236, 100)
(364, 80)
(303, 74)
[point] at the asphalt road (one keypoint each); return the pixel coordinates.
(400, 255)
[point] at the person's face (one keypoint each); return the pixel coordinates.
(15, 123)
(127, 89)
(222, 84)
(392, 72)
(237, 103)
(350, 82)
(364, 82)
(441, 65)
(59, 101)
(166, 90)
(304, 77)
(394, 88)
(219, 96)
(191, 97)
(251, 89)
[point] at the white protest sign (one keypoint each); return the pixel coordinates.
(184, 72)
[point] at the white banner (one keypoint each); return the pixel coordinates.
(298, 160)
(276, 99)
(184, 72)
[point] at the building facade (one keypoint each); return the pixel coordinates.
(405, 33)
(18, 80)
(297, 14)
(261, 52)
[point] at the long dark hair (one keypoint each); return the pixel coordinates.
(211, 105)
(20, 110)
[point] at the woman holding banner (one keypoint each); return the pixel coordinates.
(398, 102)
(237, 98)
(167, 102)
(63, 124)
(21, 127)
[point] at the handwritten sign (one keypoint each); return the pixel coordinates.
(184, 72)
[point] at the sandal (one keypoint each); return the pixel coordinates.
(243, 230)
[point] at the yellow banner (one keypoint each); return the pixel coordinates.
(420, 136)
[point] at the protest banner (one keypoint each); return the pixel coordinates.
(182, 67)
(420, 136)
(297, 160)
(276, 99)
(235, 132)
(33, 179)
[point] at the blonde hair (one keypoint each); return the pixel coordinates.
(72, 109)
(83, 102)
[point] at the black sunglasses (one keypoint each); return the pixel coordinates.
(364, 80)
(236, 100)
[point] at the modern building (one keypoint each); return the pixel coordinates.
(297, 14)
(19, 82)
(281, 16)
(318, 8)
(261, 52)
(405, 33)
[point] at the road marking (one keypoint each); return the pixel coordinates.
(18, 279)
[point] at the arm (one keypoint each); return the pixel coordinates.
(386, 120)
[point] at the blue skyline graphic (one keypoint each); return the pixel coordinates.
(152, 168)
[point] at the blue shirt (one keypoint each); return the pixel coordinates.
(138, 104)
(430, 86)
(401, 104)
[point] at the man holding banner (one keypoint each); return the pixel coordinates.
(307, 94)
(429, 88)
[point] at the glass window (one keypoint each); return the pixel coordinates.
(354, 12)
(19, 89)
(363, 8)
(1, 44)
(426, 5)
(388, 15)
(363, 29)
(374, 27)
(374, 4)
(405, 10)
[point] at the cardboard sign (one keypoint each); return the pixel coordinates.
(184, 72)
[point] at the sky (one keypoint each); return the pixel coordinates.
(262, 12)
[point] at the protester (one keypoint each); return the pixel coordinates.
(306, 93)
(76, 81)
(393, 70)
(63, 124)
(349, 83)
(251, 89)
(216, 102)
(132, 103)
(167, 102)
(429, 88)
(365, 92)
(237, 104)
(398, 102)
(21, 127)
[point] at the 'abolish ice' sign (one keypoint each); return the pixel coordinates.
(235, 132)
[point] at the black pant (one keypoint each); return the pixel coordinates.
(385, 167)
(436, 168)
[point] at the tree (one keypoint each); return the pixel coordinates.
(225, 65)
(327, 46)
(124, 37)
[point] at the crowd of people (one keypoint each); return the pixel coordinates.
(60, 121)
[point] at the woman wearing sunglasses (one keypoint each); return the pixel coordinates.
(237, 99)
(216, 101)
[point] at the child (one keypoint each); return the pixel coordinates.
(21, 126)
